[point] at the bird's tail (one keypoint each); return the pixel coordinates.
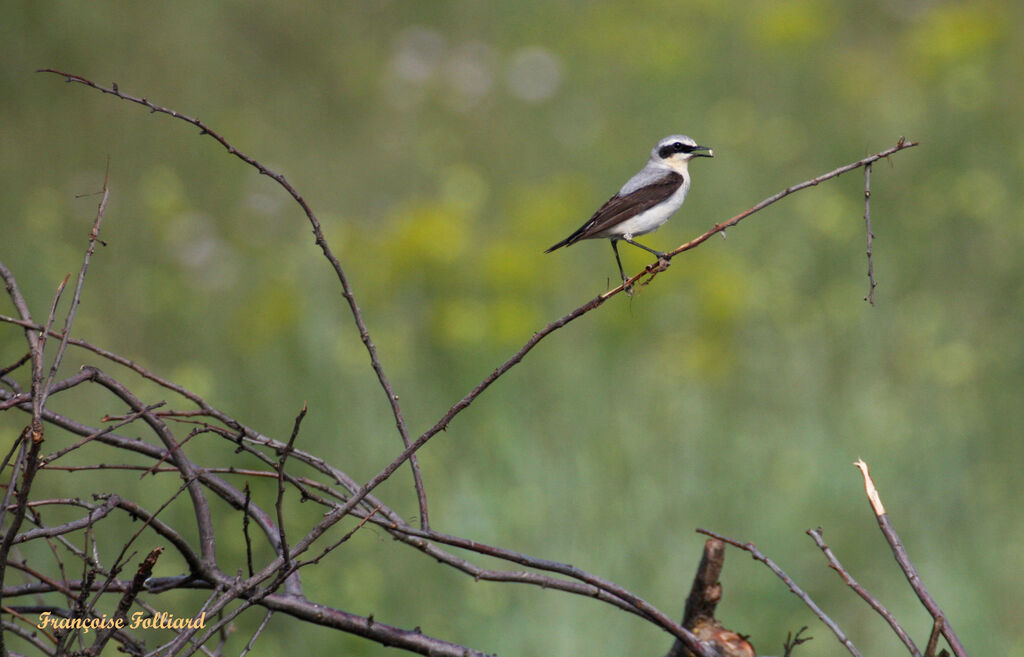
(557, 246)
(572, 239)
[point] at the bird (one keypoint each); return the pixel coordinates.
(646, 201)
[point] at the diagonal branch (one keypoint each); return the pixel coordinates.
(906, 565)
(875, 604)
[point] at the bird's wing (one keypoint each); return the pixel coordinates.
(622, 207)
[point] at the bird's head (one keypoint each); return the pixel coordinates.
(676, 151)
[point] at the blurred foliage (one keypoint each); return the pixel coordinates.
(444, 146)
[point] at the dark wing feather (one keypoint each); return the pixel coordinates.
(620, 208)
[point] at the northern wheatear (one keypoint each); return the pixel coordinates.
(647, 199)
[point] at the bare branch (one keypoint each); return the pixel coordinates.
(95, 513)
(77, 297)
(257, 633)
(794, 640)
(125, 604)
(871, 236)
(863, 593)
(906, 565)
(33, 437)
(788, 581)
(279, 505)
(933, 638)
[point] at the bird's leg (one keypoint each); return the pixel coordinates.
(662, 260)
(615, 248)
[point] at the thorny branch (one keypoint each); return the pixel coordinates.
(341, 497)
(871, 236)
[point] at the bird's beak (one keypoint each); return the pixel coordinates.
(696, 153)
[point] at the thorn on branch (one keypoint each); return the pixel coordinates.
(870, 298)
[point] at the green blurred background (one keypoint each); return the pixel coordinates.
(444, 146)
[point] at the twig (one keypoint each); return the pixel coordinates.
(13, 291)
(870, 298)
(142, 574)
(95, 513)
(128, 419)
(4, 371)
(18, 451)
(344, 539)
(177, 445)
(759, 556)
(245, 529)
(794, 640)
(33, 437)
(279, 504)
(933, 638)
(256, 634)
(862, 592)
(39, 390)
(906, 565)
(76, 298)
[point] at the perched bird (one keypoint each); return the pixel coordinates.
(647, 199)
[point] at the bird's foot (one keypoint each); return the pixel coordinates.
(661, 265)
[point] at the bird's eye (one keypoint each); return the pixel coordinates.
(668, 150)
